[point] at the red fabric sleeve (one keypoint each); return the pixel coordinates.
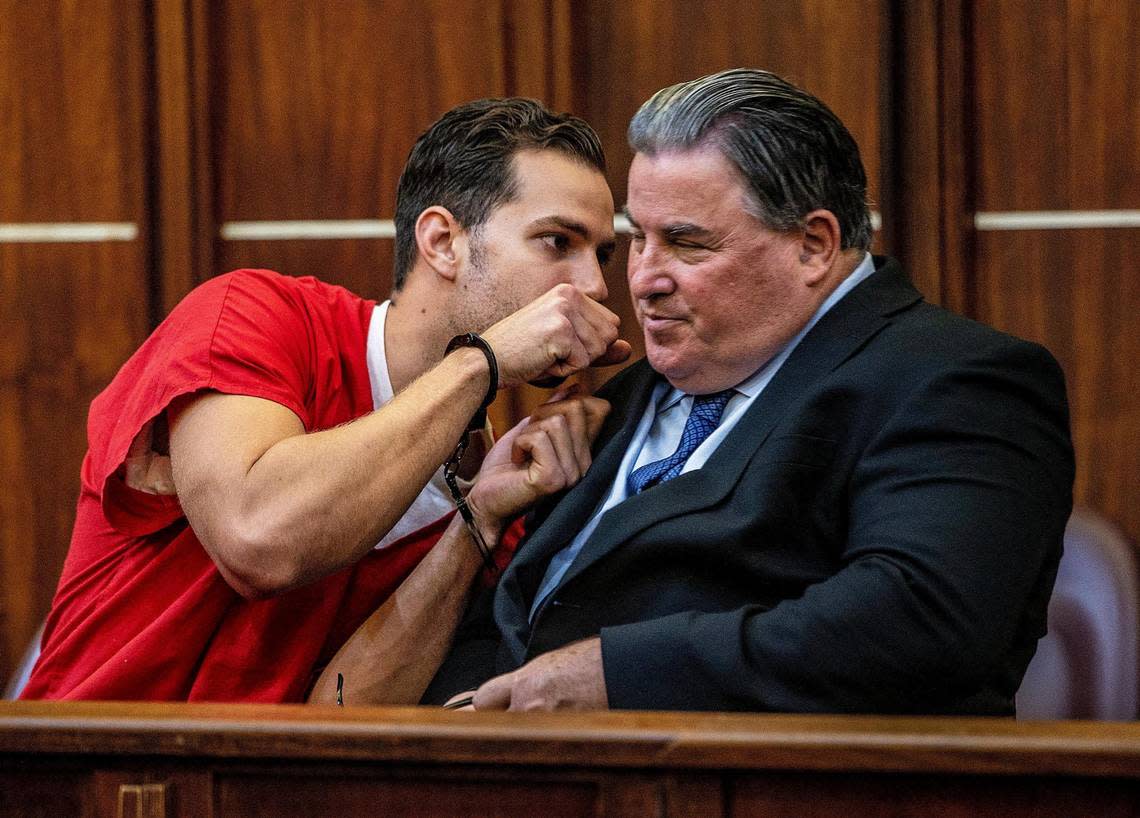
(508, 543)
(242, 333)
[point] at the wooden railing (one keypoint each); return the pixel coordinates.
(160, 759)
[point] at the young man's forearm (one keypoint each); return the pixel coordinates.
(392, 657)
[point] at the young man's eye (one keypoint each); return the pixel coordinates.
(557, 242)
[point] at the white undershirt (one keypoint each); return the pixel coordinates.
(434, 501)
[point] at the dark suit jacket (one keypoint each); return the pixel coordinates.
(879, 533)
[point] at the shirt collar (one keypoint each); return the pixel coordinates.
(755, 383)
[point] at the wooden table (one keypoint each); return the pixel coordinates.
(63, 759)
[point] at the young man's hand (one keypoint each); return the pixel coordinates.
(557, 334)
(545, 453)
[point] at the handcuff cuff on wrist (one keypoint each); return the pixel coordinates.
(478, 421)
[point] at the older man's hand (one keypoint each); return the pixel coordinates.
(570, 678)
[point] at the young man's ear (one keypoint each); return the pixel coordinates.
(819, 245)
(439, 239)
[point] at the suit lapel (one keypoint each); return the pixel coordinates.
(573, 510)
(628, 396)
(839, 335)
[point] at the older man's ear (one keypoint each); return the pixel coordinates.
(820, 243)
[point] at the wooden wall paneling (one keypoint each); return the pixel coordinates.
(72, 101)
(636, 795)
(362, 265)
(1102, 53)
(1058, 113)
(1077, 292)
(702, 794)
(927, 213)
(45, 794)
(1020, 72)
(182, 217)
(72, 104)
(318, 105)
(538, 53)
(956, 156)
(1058, 120)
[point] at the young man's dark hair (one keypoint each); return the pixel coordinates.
(463, 163)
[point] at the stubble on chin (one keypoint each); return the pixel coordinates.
(479, 306)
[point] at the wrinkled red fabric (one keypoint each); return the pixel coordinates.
(141, 611)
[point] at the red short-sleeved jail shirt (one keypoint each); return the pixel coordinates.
(141, 611)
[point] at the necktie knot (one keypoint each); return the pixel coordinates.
(704, 417)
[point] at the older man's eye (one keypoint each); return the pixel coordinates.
(689, 246)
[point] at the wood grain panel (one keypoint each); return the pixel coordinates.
(185, 232)
(927, 170)
(362, 265)
(1057, 107)
(702, 743)
(73, 104)
(1077, 293)
(331, 795)
(538, 51)
(842, 796)
(296, 760)
(318, 104)
(77, 312)
(44, 794)
(1057, 90)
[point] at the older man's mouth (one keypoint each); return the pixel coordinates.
(657, 322)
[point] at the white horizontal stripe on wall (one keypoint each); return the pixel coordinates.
(311, 229)
(51, 232)
(1056, 219)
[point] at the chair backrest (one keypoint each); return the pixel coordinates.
(1087, 666)
(24, 668)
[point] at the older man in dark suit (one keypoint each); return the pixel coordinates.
(818, 492)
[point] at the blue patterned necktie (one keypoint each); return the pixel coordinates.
(704, 417)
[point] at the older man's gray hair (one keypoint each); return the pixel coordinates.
(794, 153)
